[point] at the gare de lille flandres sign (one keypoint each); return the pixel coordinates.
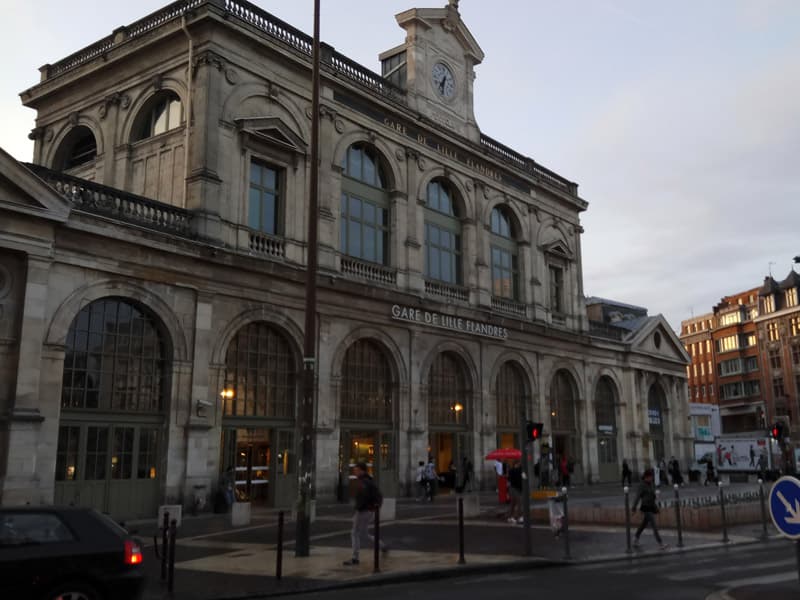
(443, 321)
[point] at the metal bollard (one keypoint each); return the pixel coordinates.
(461, 560)
(678, 515)
(173, 531)
(764, 534)
(377, 560)
(164, 542)
(627, 490)
(279, 549)
(725, 539)
(566, 525)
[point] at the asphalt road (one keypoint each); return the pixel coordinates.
(670, 576)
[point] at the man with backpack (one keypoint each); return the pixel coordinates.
(368, 500)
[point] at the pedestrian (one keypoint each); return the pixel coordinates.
(468, 473)
(422, 488)
(431, 479)
(515, 491)
(762, 467)
(368, 501)
(498, 473)
(710, 476)
(564, 470)
(647, 498)
(675, 471)
(752, 456)
(662, 473)
(626, 473)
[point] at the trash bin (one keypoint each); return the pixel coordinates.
(502, 489)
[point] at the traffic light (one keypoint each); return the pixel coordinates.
(534, 430)
(776, 431)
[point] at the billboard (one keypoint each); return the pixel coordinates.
(741, 454)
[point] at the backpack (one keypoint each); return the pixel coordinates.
(373, 495)
(430, 472)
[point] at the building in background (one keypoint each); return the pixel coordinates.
(152, 276)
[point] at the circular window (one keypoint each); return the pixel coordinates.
(657, 339)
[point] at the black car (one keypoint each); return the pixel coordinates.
(53, 553)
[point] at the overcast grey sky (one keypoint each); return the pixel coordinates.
(679, 120)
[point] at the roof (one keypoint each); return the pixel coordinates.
(770, 287)
(606, 301)
(791, 281)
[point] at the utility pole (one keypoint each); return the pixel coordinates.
(305, 470)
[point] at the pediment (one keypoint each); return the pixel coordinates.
(656, 337)
(559, 249)
(273, 131)
(24, 192)
(448, 19)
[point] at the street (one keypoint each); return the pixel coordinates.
(671, 576)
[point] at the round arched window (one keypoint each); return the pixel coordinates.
(448, 391)
(367, 388)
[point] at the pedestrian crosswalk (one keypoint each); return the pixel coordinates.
(727, 567)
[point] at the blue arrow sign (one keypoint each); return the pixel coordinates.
(784, 506)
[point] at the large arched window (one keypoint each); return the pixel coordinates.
(260, 374)
(442, 234)
(367, 389)
(606, 418)
(562, 403)
(510, 394)
(160, 114)
(448, 391)
(364, 232)
(505, 272)
(115, 359)
(656, 403)
(79, 147)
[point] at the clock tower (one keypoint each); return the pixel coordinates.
(435, 66)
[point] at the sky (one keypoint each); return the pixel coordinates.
(680, 121)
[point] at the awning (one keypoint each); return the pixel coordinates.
(742, 409)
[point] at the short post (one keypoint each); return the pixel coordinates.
(279, 557)
(761, 499)
(566, 524)
(173, 530)
(678, 515)
(627, 490)
(725, 539)
(164, 542)
(461, 560)
(377, 559)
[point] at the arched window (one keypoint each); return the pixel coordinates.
(442, 235)
(160, 114)
(656, 403)
(115, 359)
(260, 374)
(510, 394)
(562, 403)
(364, 232)
(448, 391)
(367, 388)
(79, 147)
(505, 273)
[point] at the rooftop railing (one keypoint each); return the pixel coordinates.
(108, 202)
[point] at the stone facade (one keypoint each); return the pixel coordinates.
(120, 206)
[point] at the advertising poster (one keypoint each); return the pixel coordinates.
(741, 454)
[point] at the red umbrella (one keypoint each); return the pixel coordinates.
(504, 454)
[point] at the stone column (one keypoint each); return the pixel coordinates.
(415, 217)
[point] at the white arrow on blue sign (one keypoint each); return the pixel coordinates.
(784, 506)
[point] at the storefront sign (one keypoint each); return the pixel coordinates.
(443, 321)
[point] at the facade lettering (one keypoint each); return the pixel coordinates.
(443, 321)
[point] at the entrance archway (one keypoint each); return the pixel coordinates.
(111, 436)
(563, 420)
(606, 419)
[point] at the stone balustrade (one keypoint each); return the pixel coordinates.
(446, 290)
(508, 306)
(263, 244)
(369, 271)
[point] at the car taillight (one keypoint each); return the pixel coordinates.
(133, 553)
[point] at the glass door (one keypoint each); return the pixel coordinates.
(248, 452)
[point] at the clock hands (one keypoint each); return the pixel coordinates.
(441, 83)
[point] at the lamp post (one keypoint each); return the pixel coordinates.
(305, 471)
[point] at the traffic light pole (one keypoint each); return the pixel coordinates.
(526, 488)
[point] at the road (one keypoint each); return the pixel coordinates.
(670, 576)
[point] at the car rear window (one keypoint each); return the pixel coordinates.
(19, 529)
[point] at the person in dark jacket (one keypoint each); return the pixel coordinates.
(367, 501)
(515, 491)
(626, 473)
(647, 498)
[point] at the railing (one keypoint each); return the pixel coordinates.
(508, 306)
(607, 331)
(369, 271)
(267, 245)
(99, 199)
(528, 165)
(446, 290)
(140, 27)
(270, 25)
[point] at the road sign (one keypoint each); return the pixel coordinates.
(784, 506)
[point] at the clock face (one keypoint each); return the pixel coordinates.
(443, 81)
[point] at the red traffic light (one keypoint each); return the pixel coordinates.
(534, 430)
(777, 431)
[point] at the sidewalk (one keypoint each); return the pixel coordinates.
(216, 562)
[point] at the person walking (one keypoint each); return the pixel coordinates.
(422, 488)
(710, 476)
(647, 498)
(431, 479)
(515, 491)
(563, 469)
(626, 473)
(368, 500)
(468, 474)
